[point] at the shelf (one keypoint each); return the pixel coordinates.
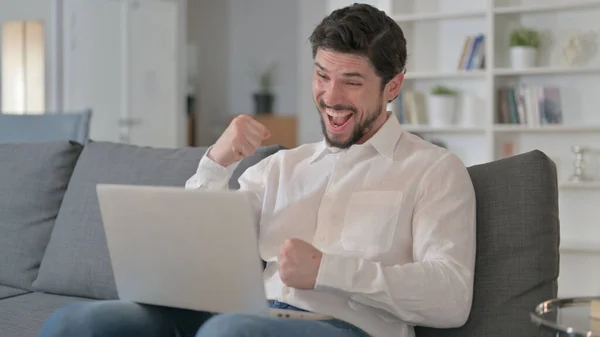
(445, 129)
(546, 71)
(502, 72)
(580, 247)
(435, 34)
(445, 75)
(438, 16)
(558, 128)
(587, 185)
(546, 8)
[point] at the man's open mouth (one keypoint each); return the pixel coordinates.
(338, 119)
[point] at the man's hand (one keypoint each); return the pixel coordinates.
(299, 264)
(241, 138)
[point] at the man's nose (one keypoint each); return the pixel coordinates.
(333, 95)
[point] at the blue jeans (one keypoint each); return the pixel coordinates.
(127, 319)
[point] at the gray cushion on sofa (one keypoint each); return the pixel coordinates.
(24, 315)
(18, 128)
(517, 246)
(77, 261)
(10, 292)
(33, 180)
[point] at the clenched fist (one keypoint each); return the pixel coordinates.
(299, 264)
(241, 138)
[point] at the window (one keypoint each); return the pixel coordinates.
(23, 69)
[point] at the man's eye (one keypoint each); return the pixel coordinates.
(321, 75)
(354, 84)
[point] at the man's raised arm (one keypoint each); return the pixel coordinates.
(240, 140)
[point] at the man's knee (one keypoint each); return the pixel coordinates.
(233, 325)
(86, 319)
(66, 320)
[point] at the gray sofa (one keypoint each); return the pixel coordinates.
(53, 250)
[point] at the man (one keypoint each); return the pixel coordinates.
(373, 225)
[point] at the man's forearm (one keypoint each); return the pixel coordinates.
(435, 293)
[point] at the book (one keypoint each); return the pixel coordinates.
(529, 105)
(473, 53)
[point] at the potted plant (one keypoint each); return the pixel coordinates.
(524, 43)
(441, 106)
(264, 98)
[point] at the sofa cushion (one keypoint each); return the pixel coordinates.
(24, 315)
(77, 262)
(6, 292)
(18, 128)
(517, 246)
(33, 180)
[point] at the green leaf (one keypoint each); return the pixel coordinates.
(524, 37)
(442, 90)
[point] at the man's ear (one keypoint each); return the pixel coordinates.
(392, 88)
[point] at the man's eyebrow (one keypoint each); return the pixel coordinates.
(351, 74)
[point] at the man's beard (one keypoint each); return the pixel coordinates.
(360, 129)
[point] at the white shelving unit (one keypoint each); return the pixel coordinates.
(437, 16)
(436, 31)
(581, 186)
(545, 7)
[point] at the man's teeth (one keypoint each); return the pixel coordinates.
(337, 114)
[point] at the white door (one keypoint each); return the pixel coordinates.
(155, 83)
(120, 60)
(92, 63)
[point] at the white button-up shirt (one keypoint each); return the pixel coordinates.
(394, 218)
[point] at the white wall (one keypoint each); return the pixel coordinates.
(234, 37)
(208, 27)
(262, 31)
(310, 13)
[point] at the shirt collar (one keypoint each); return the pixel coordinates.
(322, 148)
(384, 141)
(386, 138)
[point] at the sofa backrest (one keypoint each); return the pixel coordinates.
(33, 181)
(48, 127)
(517, 247)
(77, 261)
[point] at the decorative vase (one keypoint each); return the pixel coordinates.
(263, 103)
(441, 110)
(469, 111)
(522, 57)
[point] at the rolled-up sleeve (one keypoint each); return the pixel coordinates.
(210, 175)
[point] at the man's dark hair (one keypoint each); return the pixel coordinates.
(364, 30)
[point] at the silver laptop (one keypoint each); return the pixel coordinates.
(186, 249)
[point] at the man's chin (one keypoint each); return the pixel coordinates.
(335, 139)
(338, 140)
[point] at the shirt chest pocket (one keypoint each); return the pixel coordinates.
(370, 221)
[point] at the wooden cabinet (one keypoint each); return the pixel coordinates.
(284, 129)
